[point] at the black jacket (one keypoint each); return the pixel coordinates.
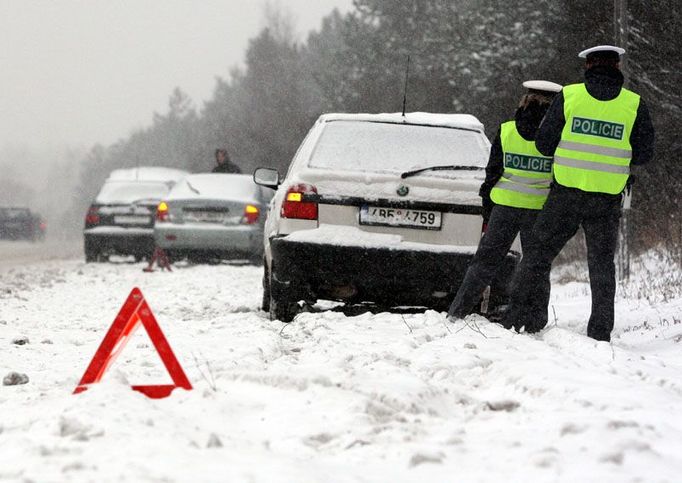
(603, 83)
(226, 167)
(527, 122)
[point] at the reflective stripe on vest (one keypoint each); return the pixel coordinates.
(527, 173)
(592, 165)
(590, 148)
(594, 152)
(526, 188)
(528, 181)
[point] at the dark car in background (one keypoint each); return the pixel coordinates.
(20, 223)
(120, 221)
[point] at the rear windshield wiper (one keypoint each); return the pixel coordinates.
(196, 191)
(449, 167)
(153, 200)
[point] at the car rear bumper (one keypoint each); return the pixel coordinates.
(17, 232)
(245, 239)
(124, 241)
(304, 271)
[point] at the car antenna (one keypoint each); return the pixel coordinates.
(407, 73)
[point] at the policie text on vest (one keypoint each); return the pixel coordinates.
(528, 163)
(594, 127)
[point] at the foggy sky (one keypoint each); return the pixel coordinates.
(79, 72)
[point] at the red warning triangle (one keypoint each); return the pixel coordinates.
(135, 311)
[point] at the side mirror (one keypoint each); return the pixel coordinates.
(267, 177)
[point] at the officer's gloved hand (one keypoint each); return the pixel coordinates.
(487, 208)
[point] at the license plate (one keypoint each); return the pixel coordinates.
(132, 220)
(403, 217)
(205, 216)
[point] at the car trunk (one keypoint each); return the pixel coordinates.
(128, 216)
(207, 211)
(422, 209)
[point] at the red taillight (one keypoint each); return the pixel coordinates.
(295, 207)
(251, 214)
(162, 213)
(92, 216)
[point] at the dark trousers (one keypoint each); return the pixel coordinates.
(564, 212)
(504, 224)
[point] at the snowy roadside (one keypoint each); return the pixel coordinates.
(382, 397)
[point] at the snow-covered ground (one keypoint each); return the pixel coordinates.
(328, 398)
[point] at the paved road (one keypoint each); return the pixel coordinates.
(13, 253)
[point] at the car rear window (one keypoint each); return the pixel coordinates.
(389, 147)
(125, 192)
(148, 173)
(216, 186)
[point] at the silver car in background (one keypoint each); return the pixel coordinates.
(213, 216)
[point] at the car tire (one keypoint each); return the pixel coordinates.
(198, 258)
(265, 302)
(92, 254)
(280, 307)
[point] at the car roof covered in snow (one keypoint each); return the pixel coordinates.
(148, 173)
(461, 121)
(216, 186)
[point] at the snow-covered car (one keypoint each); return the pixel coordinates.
(121, 218)
(209, 216)
(379, 208)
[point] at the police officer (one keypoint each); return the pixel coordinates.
(515, 189)
(595, 131)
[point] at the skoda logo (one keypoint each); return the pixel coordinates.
(402, 190)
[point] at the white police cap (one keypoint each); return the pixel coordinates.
(541, 85)
(601, 48)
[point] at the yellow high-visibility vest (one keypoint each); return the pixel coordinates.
(527, 173)
(594, 153)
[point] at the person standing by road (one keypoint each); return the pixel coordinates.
(515, 189)
(595, 131)
(223, 163)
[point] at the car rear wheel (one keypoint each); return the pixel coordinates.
(265, 302)
(282, 309)
(279, 306)
(92, 253)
